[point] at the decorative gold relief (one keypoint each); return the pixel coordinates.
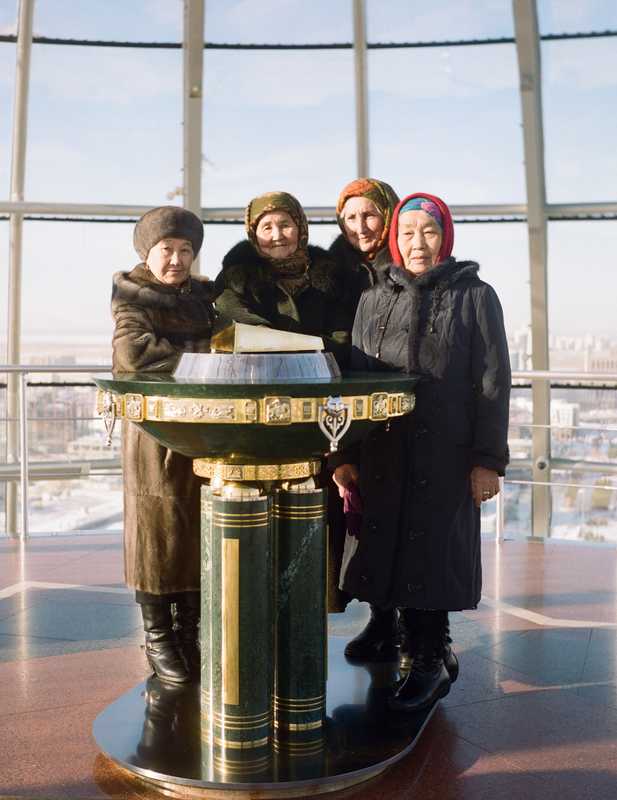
(134, 407)
(277, 410)
(211, 468)
(379, 406)
(265, 411)
(251, 410)
(407, 403)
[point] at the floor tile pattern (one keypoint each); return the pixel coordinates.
(533, 714)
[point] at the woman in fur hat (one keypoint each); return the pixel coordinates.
(423, 478)
(364, 213)
(161, 311)
(276, 278)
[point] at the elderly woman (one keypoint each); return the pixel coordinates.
(364, 213)
(160, 311)
(276, 278)
(423, 478)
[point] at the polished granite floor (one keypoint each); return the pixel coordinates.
(533, 714)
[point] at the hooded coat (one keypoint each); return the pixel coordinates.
(250, 293)
(154, 324)
(420, 541)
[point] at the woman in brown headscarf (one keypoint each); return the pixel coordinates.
(364, 213)
(275, 278)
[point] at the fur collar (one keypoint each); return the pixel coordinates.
(445, 274)
(140, 287)
(244, 268)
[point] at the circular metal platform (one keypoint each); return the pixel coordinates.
(154, 733)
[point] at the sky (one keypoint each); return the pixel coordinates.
(105, 126)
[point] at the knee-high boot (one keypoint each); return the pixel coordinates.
(379, 639)
(428, 679)
(162, 649)
(186, 623)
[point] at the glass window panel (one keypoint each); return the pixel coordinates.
(572, 16)
(8, 18)
(580, 119)
(137, 20)
(447, 121)
(456, 19)
(501, 250)
(582, 286)
(67, 279)
(4, 286)
(218, 240)
(73, 506)
(289, 22)
(282, 120)
(88, 141)
(7, 84)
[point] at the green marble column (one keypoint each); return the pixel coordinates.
(300, 620)
(237, 630)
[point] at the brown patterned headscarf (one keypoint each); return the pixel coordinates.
(291, 271)
(378, 192)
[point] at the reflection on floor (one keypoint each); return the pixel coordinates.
(533, 714)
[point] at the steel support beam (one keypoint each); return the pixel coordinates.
(554, 210)
(18, 172)
(361, 87)
(529, 61)
(193, 58)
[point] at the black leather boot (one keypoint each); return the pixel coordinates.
(409, 644)
(162, 649)
(186, 624)
(379, 639)
(449, 656)
(428, 678)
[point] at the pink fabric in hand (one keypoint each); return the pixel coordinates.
(352, 508)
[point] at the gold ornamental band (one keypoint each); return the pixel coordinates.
(226, 725)
(300, 515)
(230, 744)
(238, 719)
(273, 410)
(298, 701)
(298, 748)
(213, 468)
(299, 726)
(243, 767)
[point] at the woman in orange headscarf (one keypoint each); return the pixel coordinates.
(364, 213)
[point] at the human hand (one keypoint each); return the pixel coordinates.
(484, 484)
(344, 475)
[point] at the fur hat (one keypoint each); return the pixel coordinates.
(167, 222)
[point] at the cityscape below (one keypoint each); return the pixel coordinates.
(63, 426)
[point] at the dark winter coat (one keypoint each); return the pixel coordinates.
(357, 274)
(154, 324)
(249, 293)
(420, 540)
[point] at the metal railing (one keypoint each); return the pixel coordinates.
(24, 471)
(46, 469)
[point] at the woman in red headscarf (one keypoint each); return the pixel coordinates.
(423, 478)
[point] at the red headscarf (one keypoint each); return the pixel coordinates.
(447, 237)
